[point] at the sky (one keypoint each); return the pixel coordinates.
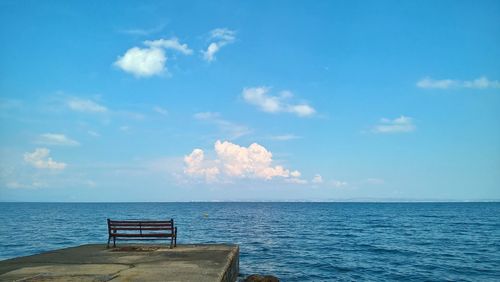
(249, 100)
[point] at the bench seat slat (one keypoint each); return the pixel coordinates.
(152, 221)
(143, 235)
(142, 228)
(137, 222)
(141, 225)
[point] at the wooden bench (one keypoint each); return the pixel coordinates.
(142, 230)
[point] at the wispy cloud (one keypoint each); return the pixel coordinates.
(260, 97)
(143, 31)
(93, 133)
(151, 60)
(219, 37)
(374, 181)
(338, 183)
(317, 179)
(401, 124)
(85, 105)
(285, 137)
(294, 180)
(56, 139)
(40, 159)
(160, 110)
(206, 116)
(91, 106)
(124, 128)
(172, 43)
(7, 104)
(233, 130)
(478, 83)
(235, 162)
(130, 115)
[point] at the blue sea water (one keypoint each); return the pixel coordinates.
(294, 241)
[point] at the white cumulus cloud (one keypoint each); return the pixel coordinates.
(478, 83)
(40, 159)
(235, 162)
(85, 105)
(143, 62)
(253, 161)
(219, 37)
(151, 60)
(56, 139)
(260, 97)
(401, 124)
(197, 166)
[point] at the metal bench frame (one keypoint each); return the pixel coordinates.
(142, 230)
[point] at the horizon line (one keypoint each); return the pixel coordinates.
(395, 201)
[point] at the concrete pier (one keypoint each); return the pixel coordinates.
(128, 262)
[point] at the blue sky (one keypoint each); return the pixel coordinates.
(249, 100)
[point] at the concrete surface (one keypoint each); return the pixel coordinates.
(131, 262)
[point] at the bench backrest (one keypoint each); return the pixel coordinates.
(150, 226)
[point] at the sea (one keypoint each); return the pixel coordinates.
(292, 241)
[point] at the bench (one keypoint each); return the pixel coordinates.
(142, 230)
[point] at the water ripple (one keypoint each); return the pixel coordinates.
(294, 241)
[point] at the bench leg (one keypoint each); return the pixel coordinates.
(109, 239)
(114, 242)
(171, 242)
